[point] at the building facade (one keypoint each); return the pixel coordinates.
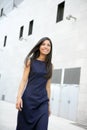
(65, 23)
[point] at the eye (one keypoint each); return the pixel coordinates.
(43, 43)
(48, 44)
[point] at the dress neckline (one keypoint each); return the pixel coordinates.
(40, 60)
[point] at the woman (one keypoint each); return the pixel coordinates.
(34, 90)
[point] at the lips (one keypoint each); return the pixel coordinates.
(46, 51)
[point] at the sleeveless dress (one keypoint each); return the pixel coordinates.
(34, 114)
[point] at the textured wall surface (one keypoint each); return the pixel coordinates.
(69, 43)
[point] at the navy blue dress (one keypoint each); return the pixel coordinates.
(34, 115)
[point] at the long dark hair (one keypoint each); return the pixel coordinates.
(35, 52)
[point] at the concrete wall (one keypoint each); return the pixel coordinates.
(8, 5)
(69, 43)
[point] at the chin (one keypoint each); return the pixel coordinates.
(45, 53)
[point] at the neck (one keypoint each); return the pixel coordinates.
(41, 57)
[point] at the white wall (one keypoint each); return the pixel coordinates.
(68, 36)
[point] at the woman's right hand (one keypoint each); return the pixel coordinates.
(19, 104)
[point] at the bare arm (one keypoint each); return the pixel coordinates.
(19, 103)
(48, 93)
(48, 88)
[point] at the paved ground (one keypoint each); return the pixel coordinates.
(8, 115)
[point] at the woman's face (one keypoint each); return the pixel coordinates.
(45, 47)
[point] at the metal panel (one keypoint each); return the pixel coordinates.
(72, 76)
(69, 102)
(64, 100)
(57, 74)
(54, 100)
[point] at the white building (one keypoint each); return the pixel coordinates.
(22, 25)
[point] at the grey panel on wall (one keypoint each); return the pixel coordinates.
(56, 77)
(72, 76)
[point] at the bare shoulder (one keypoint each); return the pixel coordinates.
(27, 67)
(27, 63)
